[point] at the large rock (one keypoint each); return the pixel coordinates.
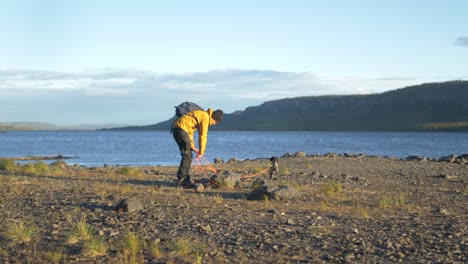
(129, 205)
(450, 158)
(218, 161)
(300, 154)
(229, 179)
(274, 192)
(59, 164)
(416, 158)
(199, 187)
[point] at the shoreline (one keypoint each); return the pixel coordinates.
(451, 158)
(355, 209)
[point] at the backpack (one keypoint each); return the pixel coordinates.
(185, 108)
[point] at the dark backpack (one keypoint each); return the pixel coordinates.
(185, 108)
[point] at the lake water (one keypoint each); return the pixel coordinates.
(96, 148)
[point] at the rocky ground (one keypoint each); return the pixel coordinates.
(351, 209)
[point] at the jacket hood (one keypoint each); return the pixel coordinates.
(210, 112)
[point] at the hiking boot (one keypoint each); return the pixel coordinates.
(180, 181)
(187, 184)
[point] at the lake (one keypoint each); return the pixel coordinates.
(96, 148)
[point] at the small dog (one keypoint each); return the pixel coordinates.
(274, 168)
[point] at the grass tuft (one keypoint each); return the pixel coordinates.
(284, 170)
(218, 199)
(7, 165)
(95, 247)
(80, 231)
(21, 232)
(389, 201)
(198, 253)
(332, 189)
(181, 247)
(129, 171)
(130, 249)
(53, 256)
(155, 248)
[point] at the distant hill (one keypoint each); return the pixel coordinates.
(45, 126)
(27, 126)
(425, 107)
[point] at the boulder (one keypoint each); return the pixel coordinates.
(300, 154)
(218, 161)
(257, 183)
(59, 164)
(129, 205)
(415, 158)
(284, 192)
(450, 158)
(331, 155)
(229, 179)
(199, 187)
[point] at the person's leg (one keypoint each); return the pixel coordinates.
(183, 141)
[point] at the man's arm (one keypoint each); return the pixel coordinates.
(203, 133)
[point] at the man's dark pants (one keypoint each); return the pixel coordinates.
(183, 141)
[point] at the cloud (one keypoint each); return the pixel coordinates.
(143, 97)
(461, 41)
(34, 82)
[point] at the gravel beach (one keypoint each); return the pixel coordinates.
(345, 209)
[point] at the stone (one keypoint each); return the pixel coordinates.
(276, 193)
(257, 183)
(442, 211)
(199, 187)
(218, 161)
(300, 154)
(59, 164)
(205, 228)
(129, 205)
(446, 176)
(229, 179)
(450, 159)
(415, 158)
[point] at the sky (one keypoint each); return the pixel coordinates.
(130, 62)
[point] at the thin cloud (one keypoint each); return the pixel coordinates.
(33, 82)
(461, 41)
(149, 97)
(395, 78)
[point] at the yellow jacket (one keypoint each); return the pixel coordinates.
(191, 121)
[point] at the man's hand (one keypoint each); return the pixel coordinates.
(196, 150)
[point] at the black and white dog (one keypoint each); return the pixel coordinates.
(274, 168)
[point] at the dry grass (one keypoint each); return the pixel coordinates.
(130, 249)
(218, 199)
(392, 201)
(53, 256)
(283, 170)
(94, 247)
(7, 165)
(21, 232)
(181, 247)
(155, 248)
(80, 231)
(184, 248)
(130, 171)
(331, 189)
